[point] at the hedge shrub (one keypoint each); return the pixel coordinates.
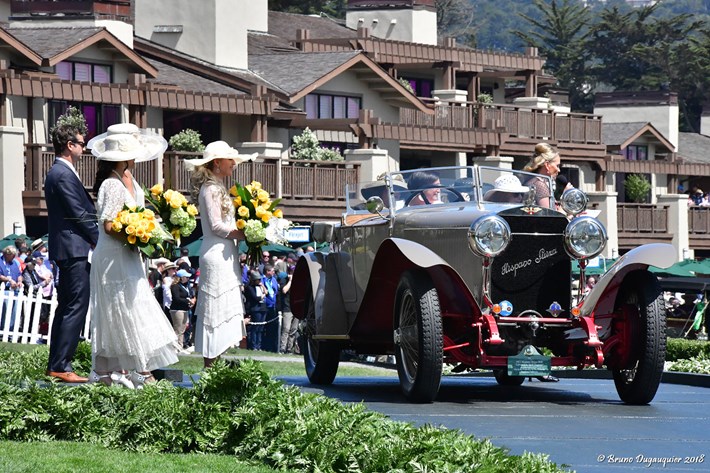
(239, 410)
(681, 349)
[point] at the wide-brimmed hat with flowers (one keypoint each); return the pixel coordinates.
(218, 150)
(153, 142)
(123, 147)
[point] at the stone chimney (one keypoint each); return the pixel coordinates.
(400, 20)
(212, 30)
(658, 107)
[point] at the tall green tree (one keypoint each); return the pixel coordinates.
(636, 50)
(639, 50)
(454, 18)
(560, 36)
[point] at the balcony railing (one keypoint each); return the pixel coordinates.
(521, 122)
(642, 218)
(314, 180)
(699, 220)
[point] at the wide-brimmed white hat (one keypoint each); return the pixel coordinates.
(154, 143)
(123, 147)
(507, 183)
(218, 150)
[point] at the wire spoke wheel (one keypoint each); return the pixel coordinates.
(321, 358)
(640, 305)
(418, 337)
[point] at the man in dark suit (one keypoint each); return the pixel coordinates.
(73, 231)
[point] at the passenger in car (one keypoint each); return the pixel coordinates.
(545, 161)
(507, 189)
(428, 185)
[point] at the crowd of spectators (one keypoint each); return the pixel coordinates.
(26, 268)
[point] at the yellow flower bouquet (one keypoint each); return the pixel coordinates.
(260, 219)
(176, 213)
(141, 230)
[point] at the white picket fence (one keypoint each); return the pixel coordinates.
(27, 318)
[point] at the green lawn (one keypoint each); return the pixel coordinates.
(71, 457)
(278, 367)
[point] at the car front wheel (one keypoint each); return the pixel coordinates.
(418, 337)
(640, 304)
(320, 357)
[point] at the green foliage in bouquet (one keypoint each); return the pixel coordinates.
(176, 213)
(141, 230)
(255, 211)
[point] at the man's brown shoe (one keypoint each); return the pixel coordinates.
(67, 377)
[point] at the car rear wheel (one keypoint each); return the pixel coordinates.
(504, 379)
(320, 357)
(640, 302)
(418, 337)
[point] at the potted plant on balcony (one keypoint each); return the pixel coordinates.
(187, 140)
(307, 147)
(637, 188)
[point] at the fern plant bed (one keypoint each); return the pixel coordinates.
(237, 410)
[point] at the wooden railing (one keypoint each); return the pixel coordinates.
(39, 158)
(314, 180)
(519, 122)
(699, 220)
(642, 218)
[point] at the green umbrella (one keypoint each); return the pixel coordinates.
(675, 270)
(698, 267)
(194, 247)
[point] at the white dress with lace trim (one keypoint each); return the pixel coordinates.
(129, 329)
(220, 311)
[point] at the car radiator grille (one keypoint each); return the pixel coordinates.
(534, 271)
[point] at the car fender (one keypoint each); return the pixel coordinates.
(318, 270)
(375, 317)
(602, 297)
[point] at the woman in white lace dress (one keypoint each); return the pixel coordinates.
(130, 333)
(220, 311)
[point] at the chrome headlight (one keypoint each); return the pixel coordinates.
(488, 235)
(585, 237)
(574, 201)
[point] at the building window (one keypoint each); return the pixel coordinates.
(332, 106)
(208, 125)
(82, 71)
(98, 116)
(636, 153)
(421, 87)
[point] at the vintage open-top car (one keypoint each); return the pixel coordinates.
(471, 266)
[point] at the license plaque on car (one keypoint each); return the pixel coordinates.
(529, 362)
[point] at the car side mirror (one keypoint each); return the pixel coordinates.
(323, 231)
(374, 205)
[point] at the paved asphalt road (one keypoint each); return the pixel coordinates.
(578, 422)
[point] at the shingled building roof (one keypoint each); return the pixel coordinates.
(694, 148)
(294, 72)
(287, 25)
(173, 76)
